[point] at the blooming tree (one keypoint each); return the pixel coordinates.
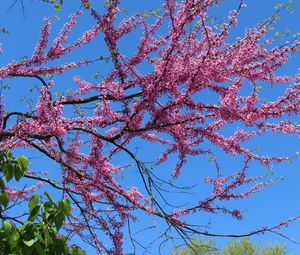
(89, 131)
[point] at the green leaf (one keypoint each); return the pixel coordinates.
(57, 7)
(40, 249)
(27, 250)
(25, 226)
(48, 238)
(4, 199)
(49, 198)
(18, 173)
(78, 251)
(23, 163)
(40, 239)
(49, 214)
(65, 205)
(7, 227)
(59, 219)
(2, 185)
(8, 154)
(34, 213)
(33, 202)
(28, 243)
(15, 237)
(8, 171)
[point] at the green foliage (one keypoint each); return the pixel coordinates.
(244, 246)
(39, 234)
(10, 168)
(56, 3)
(199, 247)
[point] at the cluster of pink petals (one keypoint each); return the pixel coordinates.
(167, 106)
(16, 194)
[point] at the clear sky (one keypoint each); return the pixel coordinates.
(278, 203)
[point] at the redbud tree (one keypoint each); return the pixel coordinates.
(153, 95)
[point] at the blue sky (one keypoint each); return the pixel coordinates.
(267, 208)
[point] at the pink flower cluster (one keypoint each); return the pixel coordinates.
(193, 96)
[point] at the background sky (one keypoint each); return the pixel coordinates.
(277, 203)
